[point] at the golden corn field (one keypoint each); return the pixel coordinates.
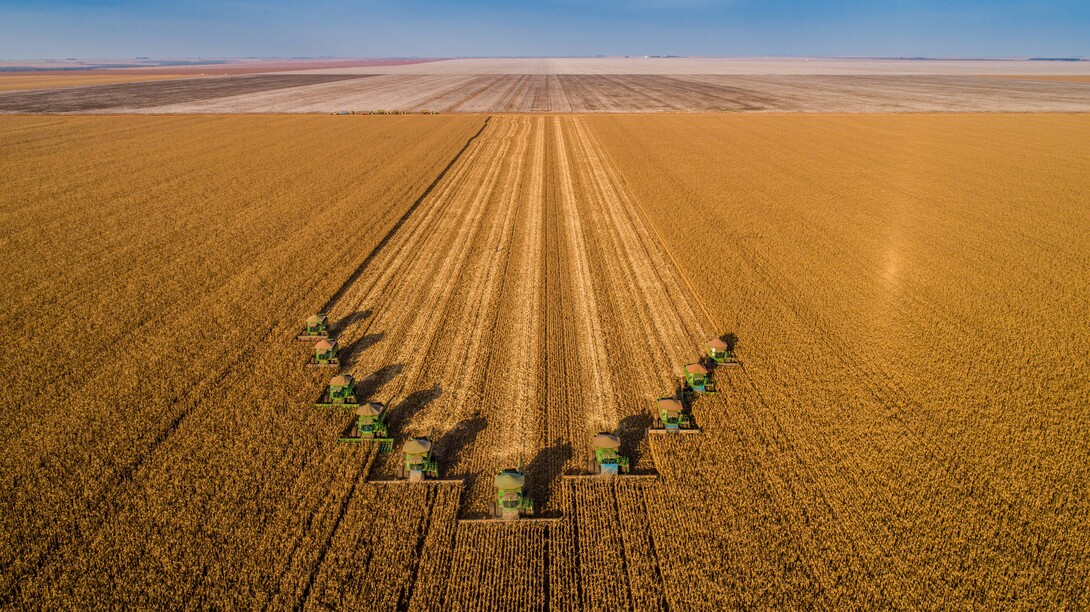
(911, 428)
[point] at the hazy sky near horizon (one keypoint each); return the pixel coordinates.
(31, 29)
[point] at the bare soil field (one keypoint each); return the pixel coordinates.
(134, 96)
(1063, 78)
(658, 93)
(908, 430)
(562, 93)
(585, 86)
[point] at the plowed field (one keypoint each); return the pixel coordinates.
(910, 427)
(594, 85)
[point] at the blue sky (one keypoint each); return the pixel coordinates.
(429, 28)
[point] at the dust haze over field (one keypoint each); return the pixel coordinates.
(614, 85)
(910, 427)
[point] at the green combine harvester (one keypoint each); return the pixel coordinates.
(697, 379)
(721, 352)
(511, 503)
(341, 393)
(671, 417)
(315, 327)
(325, 354)
(370, 427)
(607, 459)
(419, 461)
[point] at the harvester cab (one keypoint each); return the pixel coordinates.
(697, 379)
(607, 460)
(341, 393)
(721, 352)
(370, 427)
(511, 503)
(325, 354)
(671, 417)
(419, 462)
(315, 327)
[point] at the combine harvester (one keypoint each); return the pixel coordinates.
(341, 393)
(721, 353)
(325, 354)
(697, 380)
(511, 503)
(671, 417)
(606, 460)
(370, 428)
(316, 327)
(419, 462)
(419, 465)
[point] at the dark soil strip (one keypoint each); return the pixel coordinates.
(154, 93)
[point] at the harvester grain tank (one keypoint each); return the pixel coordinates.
(607, 459)
(511, 503)
(419, 462)
(325, 354)
(315, 327)
(721, 353)
(671, 417)
(698, 379)
(341, 393)
(370, 427)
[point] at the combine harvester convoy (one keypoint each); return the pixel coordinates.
(673, 415)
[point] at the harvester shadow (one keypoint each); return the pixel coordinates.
(411, 405)
(632, 430)
(352, 351)
(545, 469)
(367, 387)
(450, 447)
(337, 327)
(730, 339)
